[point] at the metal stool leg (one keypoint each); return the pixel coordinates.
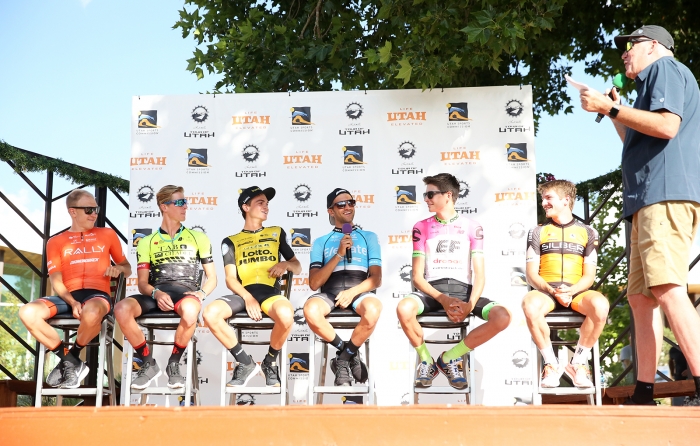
(281, 363)
(312, 370)
(126, 378)
(370, 377)
(322, 377)
(40, 374)
(222, 386)
(190, 368)
(195, 375)
(99, 384)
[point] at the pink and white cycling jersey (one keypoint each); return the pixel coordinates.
(448, 247)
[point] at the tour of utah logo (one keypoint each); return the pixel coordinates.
(514, 110)
(251, 155)
(199, 115)
(302, 194)
(144, 207)
(407, 152)
(354, 112)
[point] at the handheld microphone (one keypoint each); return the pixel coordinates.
(619, 82)
(347, 229)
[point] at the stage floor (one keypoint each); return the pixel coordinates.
(352, 425)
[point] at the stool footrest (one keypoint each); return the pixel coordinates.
(255, 390)
(566, 391)
(73, 392)
(160, 391)
(440, 390)
(341, 389)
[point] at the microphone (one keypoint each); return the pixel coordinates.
(347, 229)
(619, 82)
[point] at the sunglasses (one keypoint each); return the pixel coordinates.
(431, 193)
(179, 203)
(88, 209)
(631, 43)
(342, 204)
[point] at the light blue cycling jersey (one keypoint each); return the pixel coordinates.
(365, 250)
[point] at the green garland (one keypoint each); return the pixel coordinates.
(25, 161)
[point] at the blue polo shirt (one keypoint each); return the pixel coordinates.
(656, 169)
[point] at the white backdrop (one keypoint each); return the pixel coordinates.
(379, 145)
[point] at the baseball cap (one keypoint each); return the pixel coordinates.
(337, 191)
(653, 32)
(253, 191)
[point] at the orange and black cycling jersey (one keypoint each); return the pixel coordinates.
(83, 257)
(561, 250)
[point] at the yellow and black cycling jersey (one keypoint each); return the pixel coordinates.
(253, 253)
(176, 259)
(561, 250)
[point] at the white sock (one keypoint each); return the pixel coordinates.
(581, 354)
(548, 355)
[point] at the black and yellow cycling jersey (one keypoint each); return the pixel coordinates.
(174, 259)
(253, 253)
(561, 250)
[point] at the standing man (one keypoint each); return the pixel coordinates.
(79, 268)
(561, 266)
(346, 264)
(446, 247)
(168, 279)
(253, 268)
(661, 179)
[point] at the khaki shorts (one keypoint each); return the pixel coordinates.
(662, 234)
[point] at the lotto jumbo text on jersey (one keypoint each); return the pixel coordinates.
(253, 253)
(83, 257)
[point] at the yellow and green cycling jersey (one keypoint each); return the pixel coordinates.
(174, 259)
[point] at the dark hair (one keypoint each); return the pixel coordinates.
(446, 182)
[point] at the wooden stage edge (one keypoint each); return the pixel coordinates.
(357, 425)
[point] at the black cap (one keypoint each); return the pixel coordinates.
(653, 32)
(337, 191)
(251, 192)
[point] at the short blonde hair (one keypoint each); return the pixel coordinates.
(166, 192)
(563, 188)
(75, 196)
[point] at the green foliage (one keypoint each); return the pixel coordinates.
(301, 45)
(25, 161)
(13, 356)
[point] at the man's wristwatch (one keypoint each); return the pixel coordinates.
(614, 111)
